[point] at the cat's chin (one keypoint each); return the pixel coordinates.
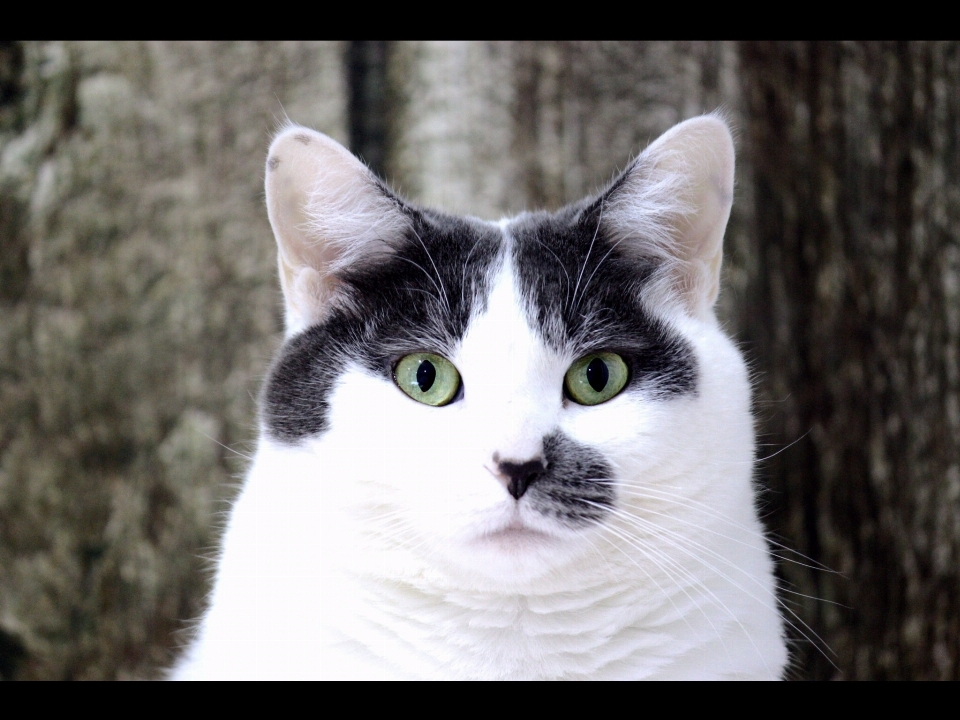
(516, 537)
(515, 552)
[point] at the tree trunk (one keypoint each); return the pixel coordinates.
(139, 306)
(855, 322)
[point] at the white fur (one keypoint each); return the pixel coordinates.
(387, 549)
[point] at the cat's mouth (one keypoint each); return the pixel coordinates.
(514, 532)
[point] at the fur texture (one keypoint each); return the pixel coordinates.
(378, 537)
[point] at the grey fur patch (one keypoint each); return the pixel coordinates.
(584, 294)
(576, 486)
(420, 297)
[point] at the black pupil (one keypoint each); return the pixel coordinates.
(597, 374)
(427, 373)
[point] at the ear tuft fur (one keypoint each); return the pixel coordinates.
(328, 212)
(672, 205)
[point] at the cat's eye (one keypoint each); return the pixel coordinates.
(427, 378)
(595, 378)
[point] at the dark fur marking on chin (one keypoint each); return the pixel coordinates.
(575, 487)
(273, 163)
(583, 299)
(410, 300)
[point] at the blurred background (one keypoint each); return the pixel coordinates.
(139, 306)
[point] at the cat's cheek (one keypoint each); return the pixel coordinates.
(621, 426)
(421, 461)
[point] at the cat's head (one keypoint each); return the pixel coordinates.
(502, 400)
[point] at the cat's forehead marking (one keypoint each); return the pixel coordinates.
(582, 294)
(513, 386)
(500, 324)
(422, 296)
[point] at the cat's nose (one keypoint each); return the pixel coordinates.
(517, 477)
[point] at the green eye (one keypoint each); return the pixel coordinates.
(596, 378)
(427, 378)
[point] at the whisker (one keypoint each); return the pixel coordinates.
(443, 292)
(424, 271)
(589, 250)
(683, 501)
(566, 297)
(614, 247)
(786, 447)
(683, 541)
(738, 541)
(642, 569)
(228, 448)
(463, 275)
(633, 540)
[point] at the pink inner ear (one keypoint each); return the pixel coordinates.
(327, 212)
(674, 205)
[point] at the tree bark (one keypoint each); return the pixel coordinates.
(139, 306)
(856, 323)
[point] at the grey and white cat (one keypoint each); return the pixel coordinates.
(504, 450)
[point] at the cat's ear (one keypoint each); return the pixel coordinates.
(673, 205)
(328, 213)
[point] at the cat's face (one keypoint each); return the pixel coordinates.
(499, 450)
(501, 401)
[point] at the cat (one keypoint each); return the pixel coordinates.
(513, 450)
